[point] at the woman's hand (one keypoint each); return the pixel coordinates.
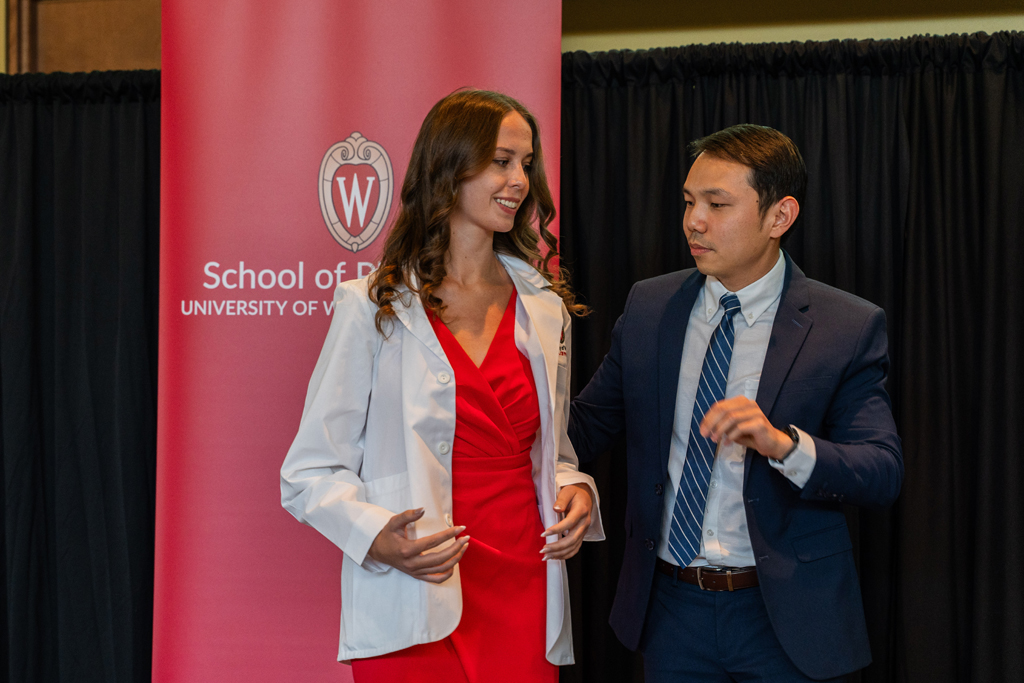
(393, 547)
(575, 500)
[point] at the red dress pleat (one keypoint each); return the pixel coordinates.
(501, 636)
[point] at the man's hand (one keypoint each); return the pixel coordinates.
(393, 547)
(575, 500)
(740, 420)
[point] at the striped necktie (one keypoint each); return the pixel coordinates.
(688, 516)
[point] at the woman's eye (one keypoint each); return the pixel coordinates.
(501, 162)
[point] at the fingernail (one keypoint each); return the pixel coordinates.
(558, 508)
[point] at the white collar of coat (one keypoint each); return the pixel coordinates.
(543, 306)
(527, 274)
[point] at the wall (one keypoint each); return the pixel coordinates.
(83, 35)
(87, 35)
(97, 35)
(768, 33)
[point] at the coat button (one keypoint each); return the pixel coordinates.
(448, 518)
(443, 448)
(649, 544)
(444, 378)
(658, 488)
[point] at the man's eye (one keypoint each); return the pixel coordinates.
(716, 206)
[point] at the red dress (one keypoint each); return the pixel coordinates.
(501, 636)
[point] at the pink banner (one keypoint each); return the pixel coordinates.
(287, 127)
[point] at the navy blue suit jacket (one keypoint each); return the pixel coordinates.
(825, 373)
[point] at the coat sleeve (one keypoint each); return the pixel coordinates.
(859, 458)
(320, 477)
(567, 469)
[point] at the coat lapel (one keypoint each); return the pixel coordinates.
(671, 333)
(410, 313)
(788, 334)
(544, 309)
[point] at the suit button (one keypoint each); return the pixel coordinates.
(443, 448)
(649, 544)
(658, 488)
(444, 378)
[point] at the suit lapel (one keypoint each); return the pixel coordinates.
(671, 334)
(788, 335)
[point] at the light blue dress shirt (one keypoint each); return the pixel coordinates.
(725, 540)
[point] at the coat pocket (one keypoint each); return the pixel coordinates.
(823, 543)
(391, 493)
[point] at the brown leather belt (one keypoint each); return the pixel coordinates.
(711, 578)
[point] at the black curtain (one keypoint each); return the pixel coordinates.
(79, 239)
(915, 150)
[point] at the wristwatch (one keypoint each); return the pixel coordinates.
(795, 435)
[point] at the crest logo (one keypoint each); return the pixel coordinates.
(356, 186)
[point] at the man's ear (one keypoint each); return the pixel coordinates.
(783, 216)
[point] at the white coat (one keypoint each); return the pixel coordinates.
(375, 440)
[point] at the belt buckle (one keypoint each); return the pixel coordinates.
(728, 578)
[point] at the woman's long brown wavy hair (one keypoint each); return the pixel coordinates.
(456, 141)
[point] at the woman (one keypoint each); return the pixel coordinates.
(438, 407)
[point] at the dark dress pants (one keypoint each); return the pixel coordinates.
(711, 637)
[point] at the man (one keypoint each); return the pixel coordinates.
(753, 404)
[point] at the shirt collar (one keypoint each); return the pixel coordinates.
(755, 298)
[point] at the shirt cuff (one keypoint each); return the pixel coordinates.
(798, 465)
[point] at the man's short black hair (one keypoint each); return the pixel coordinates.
(776, 168)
